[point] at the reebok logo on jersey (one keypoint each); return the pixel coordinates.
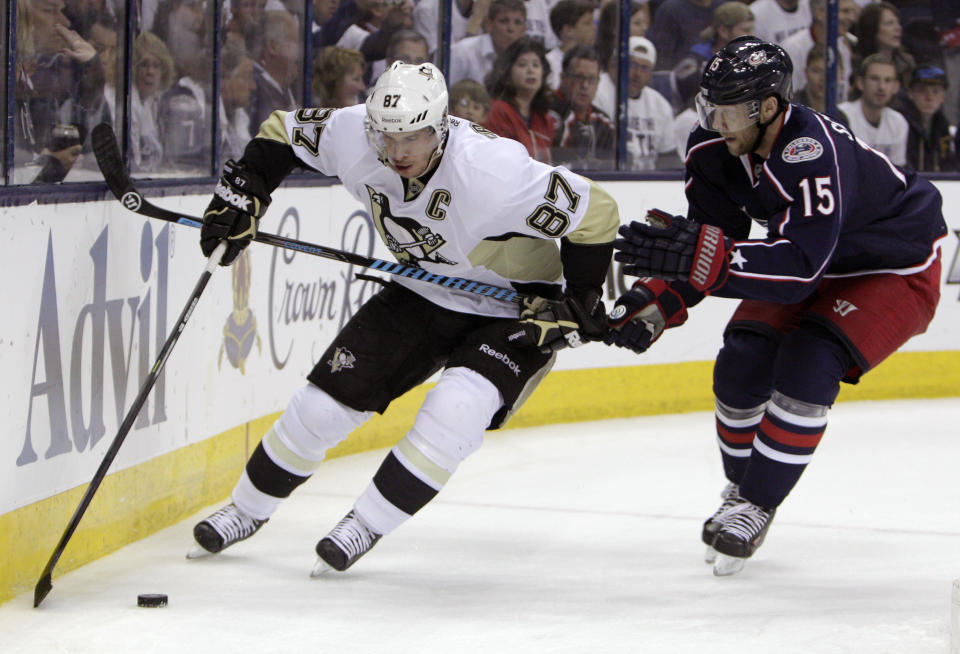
(843, 307)
(500, 356)
(233, 198)
(802, 149)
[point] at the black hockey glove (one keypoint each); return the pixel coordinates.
(641, 314)
(239, 199)
(674, 248)
(552, 325)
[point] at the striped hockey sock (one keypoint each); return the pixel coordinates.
(786, 439)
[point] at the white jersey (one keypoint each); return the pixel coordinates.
(772, 23)
(488, 212)
(649, 128)
(889, 137)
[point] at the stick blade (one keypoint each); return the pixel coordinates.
(42, 589)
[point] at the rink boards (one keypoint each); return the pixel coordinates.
(93, 290)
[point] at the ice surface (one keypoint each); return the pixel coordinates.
(571, 538)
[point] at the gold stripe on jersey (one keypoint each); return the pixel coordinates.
(601, 220)
(521, 258)
(274, 128)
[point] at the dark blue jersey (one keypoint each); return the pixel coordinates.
(831, 205)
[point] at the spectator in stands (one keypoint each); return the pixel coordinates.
(870, 117)
(730, 20)
(572, 22)
(778, 19)
(152, 75)
(338, 77)
(879, 31)
(408, 46)
(474, 56)
(345, 15)
(375, 26)
(521, 98)
(323, 11)
(608, 27)
(246, 24)
(470, 100)
(58, 72)
(538, 22)
(186, 109)
(946, 16)
(814, 92)
(677, 25)
(277, 70)
(650, 137)
(799, 43)
(236, 91)
(181, 25)
(466, 19)
(929, 144)
(585, 135)
(103, 37)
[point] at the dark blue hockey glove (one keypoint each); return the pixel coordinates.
(674, 248)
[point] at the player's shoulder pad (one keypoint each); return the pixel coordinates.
(805, 143)
(481, 153)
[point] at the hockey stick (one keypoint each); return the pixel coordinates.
(45, 583)
(108, 156)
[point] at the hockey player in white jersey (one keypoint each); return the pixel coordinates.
(450, 197)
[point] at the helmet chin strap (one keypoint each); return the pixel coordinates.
(764, 125)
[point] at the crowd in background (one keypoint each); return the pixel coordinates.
(543, 72)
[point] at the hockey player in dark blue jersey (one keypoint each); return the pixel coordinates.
(848, 271)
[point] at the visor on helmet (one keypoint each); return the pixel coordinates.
(379, 139)
(727, 117)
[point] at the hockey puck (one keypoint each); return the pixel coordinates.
(152, 600)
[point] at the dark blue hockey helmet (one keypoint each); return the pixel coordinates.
(737, 80)
(745, 69)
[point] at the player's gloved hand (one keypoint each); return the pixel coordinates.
(239, 199)
(636, 320)
(674, 248)
(552, 325)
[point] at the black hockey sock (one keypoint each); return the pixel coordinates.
(401, 487)
(268, 477)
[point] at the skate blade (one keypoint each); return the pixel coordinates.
(320, 568)
(724, 566)
(710, 555)
(197, 552)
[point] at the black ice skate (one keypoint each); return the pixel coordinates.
(731, 497)
(227, 526)
(345, 543)
(742, 531)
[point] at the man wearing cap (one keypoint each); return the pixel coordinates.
(929, 144)
(650, 140)
(871, 118)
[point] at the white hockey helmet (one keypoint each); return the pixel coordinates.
(407, 98)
